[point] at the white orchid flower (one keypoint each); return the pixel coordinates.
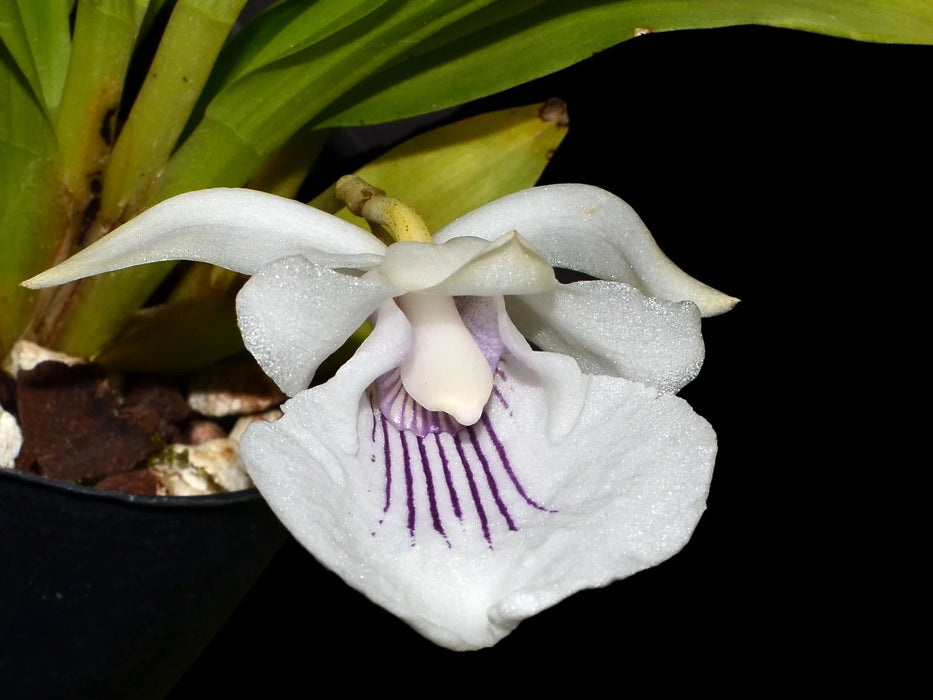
(449, 471)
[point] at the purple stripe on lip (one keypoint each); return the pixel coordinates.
(474, 491)
(429, 482)
(491, 480)
(448, 478)
(488, 452)
(387, 457)
(409, 487)
(503, 457)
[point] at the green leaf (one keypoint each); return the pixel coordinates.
(49, 36)
(285, 28)
(195, 327)
(257, 113)
(511, 43)
(407, 58)
(32, 212)
(314, 23)
(177, 338)
(104, 36)
(192, 40)
(14, 39)
(286, 169)
(446, 172)
(38, 36)
(99, 308)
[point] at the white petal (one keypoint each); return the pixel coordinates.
(462, 539)
(238, 229)
(611, 328)
(468, 267)
(337, 403)
(587, 229)
(293, 314)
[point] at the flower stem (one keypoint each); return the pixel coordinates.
(386, 213)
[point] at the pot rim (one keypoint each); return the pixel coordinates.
(39, 482)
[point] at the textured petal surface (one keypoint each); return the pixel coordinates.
(468, 266)
(238, 229)
(587, 229)
(463, 536)
(611, 328)
(293, 314)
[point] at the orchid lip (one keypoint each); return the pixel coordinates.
(439, 470)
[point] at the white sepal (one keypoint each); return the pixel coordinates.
(587, 229)
(238, 229)
(611, 328)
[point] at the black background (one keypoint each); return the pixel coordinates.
(787, 169)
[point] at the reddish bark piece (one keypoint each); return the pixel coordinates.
(140, 481)
(73, 425)
(157, 406)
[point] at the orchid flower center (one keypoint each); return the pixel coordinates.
(445, 370)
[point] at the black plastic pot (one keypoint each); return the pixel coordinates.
(110, 595)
